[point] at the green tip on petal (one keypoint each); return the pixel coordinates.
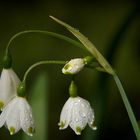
(1, 104)
(67, 66)
(61, 125)
(68, 73)
(93, 125)
(78, 130)
(30, 131)
(12, 130)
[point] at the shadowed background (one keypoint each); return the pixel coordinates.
(113, 26)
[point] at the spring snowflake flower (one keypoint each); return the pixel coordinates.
(17, 114)
(77, 113)
(73, 66)
(9, 82)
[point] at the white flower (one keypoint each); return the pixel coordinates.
(17, 114)
(9, 82)
(73, 66)
(77, 113)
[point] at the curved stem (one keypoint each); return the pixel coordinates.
(41, 63)
(56, 35)
(128, 107)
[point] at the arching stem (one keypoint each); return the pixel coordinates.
(55, 35)
(21, 90)
(41, 63)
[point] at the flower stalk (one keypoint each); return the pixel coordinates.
(41, 63)
(52, 34)
(73, 89)
(128, 107)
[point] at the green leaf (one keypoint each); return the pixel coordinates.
(88, 45)
(128, 107)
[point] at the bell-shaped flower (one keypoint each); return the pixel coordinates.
(73, 66)
(16, 115)
(9, 82)
(77, 113)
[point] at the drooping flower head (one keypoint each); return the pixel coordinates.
(77, 113)
(16, 115)
(73, 66)
(9, 82)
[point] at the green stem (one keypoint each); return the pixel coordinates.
(59, 36)
(41, 63)
(128, 107)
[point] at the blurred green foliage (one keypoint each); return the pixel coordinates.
(100, 21)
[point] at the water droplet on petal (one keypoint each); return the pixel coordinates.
(76, 119)
(82, 105)
(83, 115)
(79, 100)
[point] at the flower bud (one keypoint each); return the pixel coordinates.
(73, 66)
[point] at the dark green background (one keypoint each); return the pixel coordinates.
(114, 28)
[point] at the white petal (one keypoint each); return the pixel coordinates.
(1, 101)
(7, 112)
(26, 117)
(91, 119)
(79, 115)
(15, 78)
(65, 116)
(12, 116)
(13, 121)
(3, 117)
(9, 83)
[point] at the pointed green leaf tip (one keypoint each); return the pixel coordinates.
(88, 45)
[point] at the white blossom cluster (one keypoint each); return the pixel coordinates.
(16, 112)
